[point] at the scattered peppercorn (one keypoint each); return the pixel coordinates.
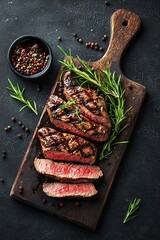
(19, 123)
(104, 38)
(59, 38)
(75, 34)
(9, 127)
(27, 129)
(80, 40)
(44, 201)
(5, 129)
(101, 49)
(13, 119)
(77, 204)
(60, 204)
(20, 135)
(21, 189)
(23, 127)
(3, 155)
(38, 88)
(107, 3)
(1, 180)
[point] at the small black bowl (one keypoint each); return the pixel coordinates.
(29, 40)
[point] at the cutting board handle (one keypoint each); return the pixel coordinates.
(124, 25)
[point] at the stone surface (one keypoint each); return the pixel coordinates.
(138, 175)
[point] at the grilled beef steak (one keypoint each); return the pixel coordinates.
(64, 116)
(69, 190)
(64, 146)
(90, 104)
(67, 171)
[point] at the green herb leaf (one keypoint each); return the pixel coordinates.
(133, 206)
(17, 93)
(66, 105)
(112, 91)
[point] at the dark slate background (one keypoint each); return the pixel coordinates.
(139, 173)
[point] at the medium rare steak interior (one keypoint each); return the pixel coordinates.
(64, 146)
(58, 189)
(65, 115)
(90, 104)
(67, 171)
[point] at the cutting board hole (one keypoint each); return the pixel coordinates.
(125, 23)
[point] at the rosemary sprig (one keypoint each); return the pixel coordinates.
(133, 206)
(66, 105)
(17, 93)
(112, 91)
(76, 112)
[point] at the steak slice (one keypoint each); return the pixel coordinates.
(64, 146)
(64, 116)
(58, 189)
(67, 171)
(90, 104)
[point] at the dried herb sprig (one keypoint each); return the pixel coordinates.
(133, 206)
(112, 91)
(17, 93)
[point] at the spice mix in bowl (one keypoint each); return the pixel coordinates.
(30, 57)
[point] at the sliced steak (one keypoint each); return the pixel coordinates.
(67, 171)
(64, 116)
(58, 189)
(64, 146)
(90, 104)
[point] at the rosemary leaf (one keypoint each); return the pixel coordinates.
(112, 91)
(133, 206)
(17, 93)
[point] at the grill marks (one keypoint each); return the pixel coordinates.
(66, 119)
(64, 146)
(84, 114)
(90, 104)
(67, 171)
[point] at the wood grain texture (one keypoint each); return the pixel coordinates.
(125, 25)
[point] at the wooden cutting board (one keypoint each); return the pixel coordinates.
(27, 186)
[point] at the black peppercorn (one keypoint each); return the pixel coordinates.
(3, 155)
(38, 88)
(20, 135)
(80, 40)
(101, 49)
(21, 189)
(13, 119)
(19, 123)
(1, 180)
(44, 201)
(107, 3)
(75, 34)
(77, 204)
(9, 127)
(23, 127)
(27, 129)
(60, 39)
